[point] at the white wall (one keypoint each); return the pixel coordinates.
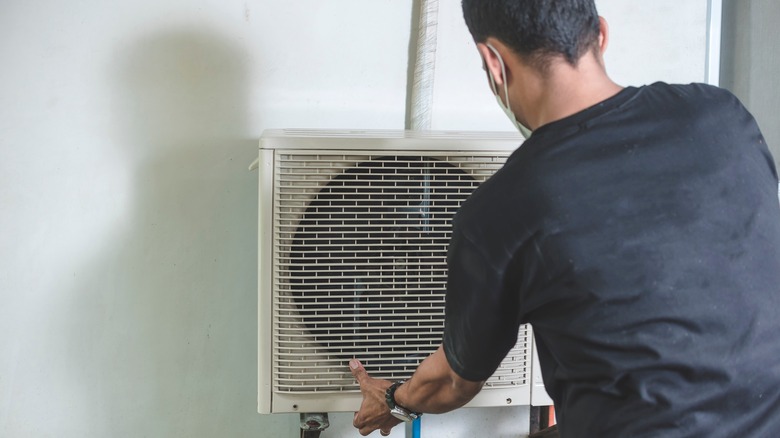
(127, 216)
(648, 43)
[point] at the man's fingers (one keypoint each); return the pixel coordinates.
(358, 371)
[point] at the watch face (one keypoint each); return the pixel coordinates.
(400, 414)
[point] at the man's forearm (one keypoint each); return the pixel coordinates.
(435, 388)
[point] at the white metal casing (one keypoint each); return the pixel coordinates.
(302, 348)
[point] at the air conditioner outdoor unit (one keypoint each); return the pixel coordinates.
(353, 235)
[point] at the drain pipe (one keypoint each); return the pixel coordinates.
(312, 425)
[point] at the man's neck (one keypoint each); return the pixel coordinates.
(567, 90)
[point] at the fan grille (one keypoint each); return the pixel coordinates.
(360, 243)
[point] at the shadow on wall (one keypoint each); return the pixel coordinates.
(164, 330)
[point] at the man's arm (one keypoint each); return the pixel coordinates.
(434, 388)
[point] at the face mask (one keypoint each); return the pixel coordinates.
(524, 130)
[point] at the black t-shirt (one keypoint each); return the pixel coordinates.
(641, 240)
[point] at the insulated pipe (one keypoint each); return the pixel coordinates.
(424, 66)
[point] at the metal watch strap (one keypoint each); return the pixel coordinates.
(391, 403)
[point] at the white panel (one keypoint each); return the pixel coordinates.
(504, 422)
(714, 38)
(462, 97)
(658, 40)
(330, 64)
(539, 396)
(264, 279)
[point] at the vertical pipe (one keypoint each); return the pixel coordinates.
(424, 66)
(416, 428)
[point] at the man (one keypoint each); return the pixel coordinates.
(637, 230)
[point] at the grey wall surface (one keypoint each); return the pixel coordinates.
(750, 62)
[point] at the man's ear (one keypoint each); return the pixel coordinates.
(603, 35)
(492, 63)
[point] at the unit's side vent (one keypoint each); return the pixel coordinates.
(360, 263)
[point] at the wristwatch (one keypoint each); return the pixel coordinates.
(397, 410)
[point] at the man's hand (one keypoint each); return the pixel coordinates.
(374, 413)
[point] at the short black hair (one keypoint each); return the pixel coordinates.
(537, 30)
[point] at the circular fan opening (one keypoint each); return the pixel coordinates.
(369, 260)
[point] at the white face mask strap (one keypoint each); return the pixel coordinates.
(503, 75)
(505, 106)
